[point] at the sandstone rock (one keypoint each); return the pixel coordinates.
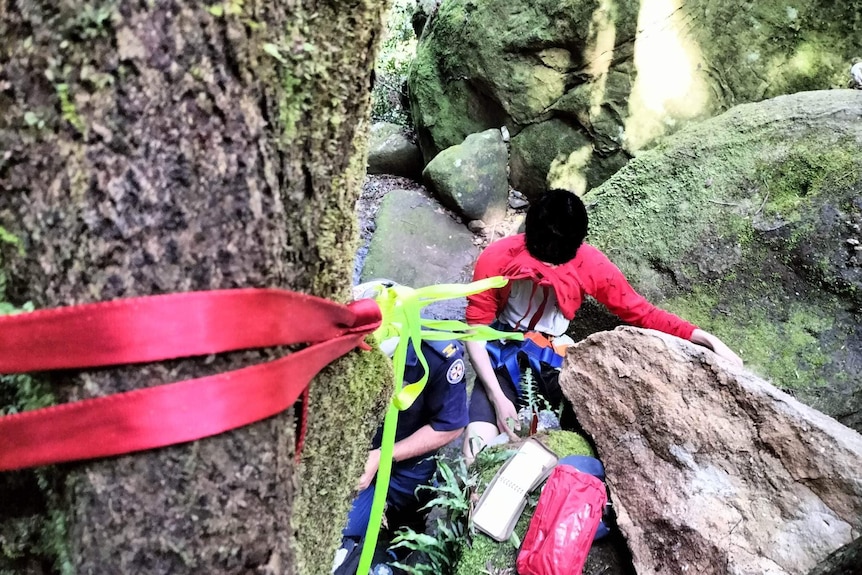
(744, 225)
(470, 178)
(392, 151)
(711, 469)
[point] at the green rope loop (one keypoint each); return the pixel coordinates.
(401, 308)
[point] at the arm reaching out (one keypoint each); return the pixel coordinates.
(425, 440)
(706, 339)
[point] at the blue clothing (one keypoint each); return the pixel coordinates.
(442, 405)
(443, 402)
(401, 495)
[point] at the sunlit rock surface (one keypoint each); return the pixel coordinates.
(616, 74)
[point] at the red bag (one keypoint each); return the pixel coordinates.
(562, 528)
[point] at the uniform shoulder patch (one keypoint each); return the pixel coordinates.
(449, 350)
(455, 374)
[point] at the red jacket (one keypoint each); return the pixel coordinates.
(590, 273)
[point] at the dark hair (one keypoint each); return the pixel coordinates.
(555, 227)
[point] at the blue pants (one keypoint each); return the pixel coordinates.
(402, 487)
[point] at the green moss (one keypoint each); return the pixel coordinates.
(779, 343)
(440, 119)
(565, 443)
(90, 21)
(711, 180)
(549, 147)
(230, 8)
(776, 48)
(291, 106)
(68, 110)
(39, 536)
(10, 239)
(503, 57)
(739, 224)
(295, 78)
(319, 83)
(484, 555)
(347, 410)
(337, 241)
(803, 171)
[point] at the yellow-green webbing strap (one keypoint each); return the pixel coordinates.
(401, 307)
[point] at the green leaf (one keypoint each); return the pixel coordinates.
(216, 10)
(274, 51)
(30, 118)
(234, 7)
(7, 237)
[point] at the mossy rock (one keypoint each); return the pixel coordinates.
(392, 151)
(623, 74)
(417, 244)
(557, 154)
(537, 147)
(748, 225)
(470, 178)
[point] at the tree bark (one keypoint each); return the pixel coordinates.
(158, 147)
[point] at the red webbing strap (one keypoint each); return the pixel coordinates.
(157, 328)
(178, 412)
(303, 425)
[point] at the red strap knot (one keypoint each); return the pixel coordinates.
(367, 316)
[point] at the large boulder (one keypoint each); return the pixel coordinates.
(711, 469)
(470, 178)
(416, 243)
(553, 154)
(749, 225)
(392, 151)
(616, 74)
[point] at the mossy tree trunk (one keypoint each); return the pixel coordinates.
(157, 147)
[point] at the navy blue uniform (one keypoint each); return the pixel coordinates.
(442, 405)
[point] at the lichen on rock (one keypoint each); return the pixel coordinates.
(746, 225)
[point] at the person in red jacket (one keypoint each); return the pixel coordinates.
(550, 269)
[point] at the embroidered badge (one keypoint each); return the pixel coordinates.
(456, 371)
(449, 350)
